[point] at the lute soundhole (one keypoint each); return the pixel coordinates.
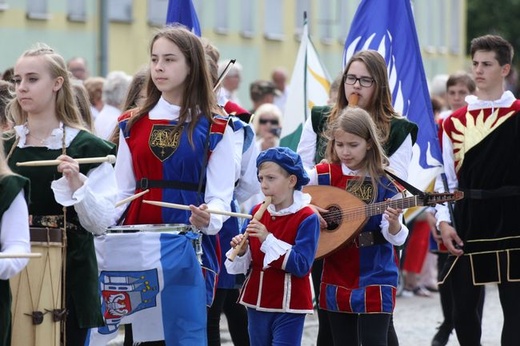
(333, 217)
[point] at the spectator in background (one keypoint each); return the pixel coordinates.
(8, 74)
(267, 123)
(115, 89)
(82, 101)
(231, 81)
(6, 94)
(334, 88)
(279, 78)
(78, 67)
(134, 98)
(261, 92)
(438, 86)
(94, 87)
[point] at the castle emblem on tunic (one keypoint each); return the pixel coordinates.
(164, 140)
(124, 293)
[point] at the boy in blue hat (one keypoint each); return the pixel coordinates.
(279, 252)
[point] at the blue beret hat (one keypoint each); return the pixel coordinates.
(288, 160)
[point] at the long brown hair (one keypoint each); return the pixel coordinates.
(198, 98)
(358, 122)
(380, 107)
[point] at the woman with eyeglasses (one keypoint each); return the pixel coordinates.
(366, 76)
(267, 123)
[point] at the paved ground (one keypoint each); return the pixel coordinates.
(415, 318)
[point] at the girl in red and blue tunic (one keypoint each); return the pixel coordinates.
(178, 147)
(358, 284)
(281, 248)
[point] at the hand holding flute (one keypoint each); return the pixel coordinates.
(255, 227)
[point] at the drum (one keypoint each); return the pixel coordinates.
(186, 230)
(37, 291)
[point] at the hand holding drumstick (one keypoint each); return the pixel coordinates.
(255, 229)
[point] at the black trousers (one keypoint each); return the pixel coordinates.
(359, 329)
(466, 297)
(236, 314)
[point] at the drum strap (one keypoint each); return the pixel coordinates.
(145, 183)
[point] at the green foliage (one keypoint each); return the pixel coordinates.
(499, 17)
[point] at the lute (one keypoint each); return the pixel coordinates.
(347, 214)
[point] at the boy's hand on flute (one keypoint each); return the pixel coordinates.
(257, 229)
(236, 242)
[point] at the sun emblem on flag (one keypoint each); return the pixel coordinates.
(477, 128)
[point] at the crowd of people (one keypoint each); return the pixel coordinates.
(182, 136)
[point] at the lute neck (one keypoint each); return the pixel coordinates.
(380, 207)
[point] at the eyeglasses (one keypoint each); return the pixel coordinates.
(365, 82)
(273, 122)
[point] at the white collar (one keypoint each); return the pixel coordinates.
(54, 141)
(505, 101)
(300, 200)
(347, 171)
(165, 110)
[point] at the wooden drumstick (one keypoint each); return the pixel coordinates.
(353, 100)
(108, 158)
(258, 215)
(186, 207)
(20, 255)
(131, 198)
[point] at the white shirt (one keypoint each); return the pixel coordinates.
(106, 121)
(94, 201)
(14, 237)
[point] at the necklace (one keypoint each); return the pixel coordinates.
(42, 140)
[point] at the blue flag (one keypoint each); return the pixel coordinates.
(183, 12)
(154, 281)
(389, 28)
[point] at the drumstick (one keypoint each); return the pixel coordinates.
(131, 198)
(185, 207)
(20, 255)
(108, 158)
(353, 100)
(258, 216)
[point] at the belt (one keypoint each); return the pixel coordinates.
(504, 191)
(369, 238)
(145, 183)
(52, 221)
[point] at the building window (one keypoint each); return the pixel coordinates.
(247, 22)
(222, 17)
(157, 12)
(326, 21)
(273, 20)
(120, 11)
(345, 18)
(455, 32)
(76, 10)
(3, 5)
(37, 9)
(303, 6)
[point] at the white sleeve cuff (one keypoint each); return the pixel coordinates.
(273, 249)
(240, 265)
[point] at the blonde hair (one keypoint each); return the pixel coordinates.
(66, 110)
(358, 122)
(266, 108)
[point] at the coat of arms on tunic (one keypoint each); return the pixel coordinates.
(164, 140)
